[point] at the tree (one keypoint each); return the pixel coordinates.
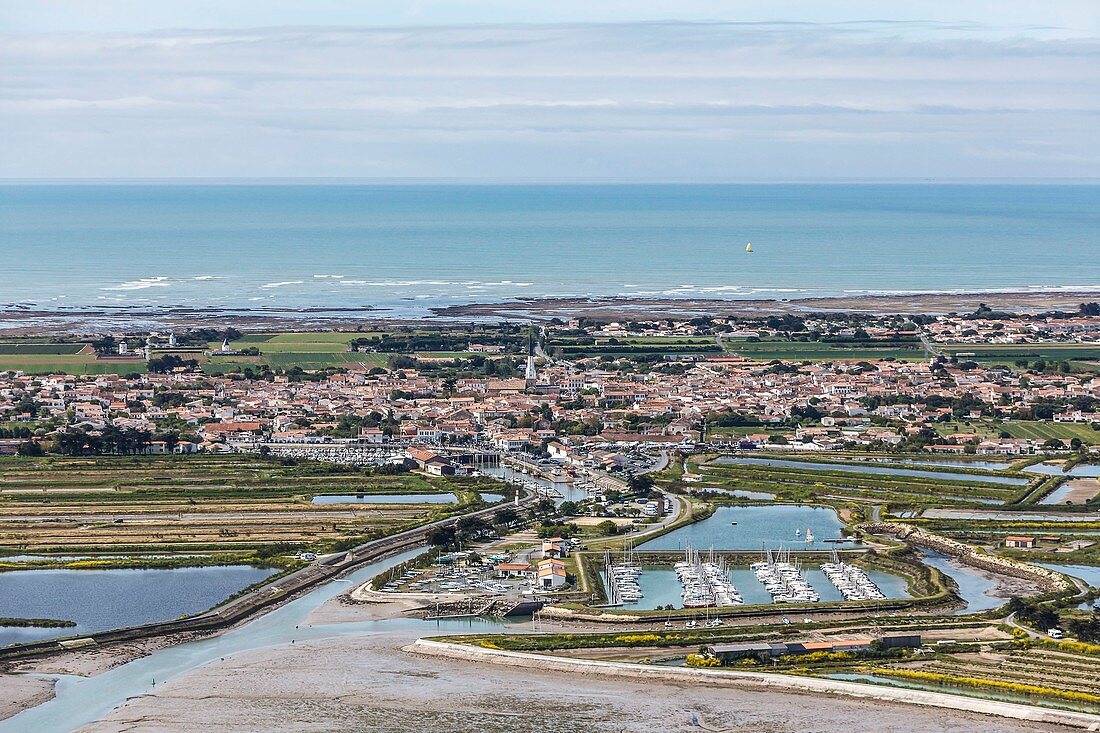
(507, 516)
(640, 483)
(441, 536)
(607, 528)
(568, 508)
(29, 448)
(168, 362)
(1085, 629)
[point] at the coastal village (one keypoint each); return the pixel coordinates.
(816, 496)
(564, 404)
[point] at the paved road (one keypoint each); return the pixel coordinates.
(929, 348)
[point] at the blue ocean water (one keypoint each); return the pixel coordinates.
(410, 247)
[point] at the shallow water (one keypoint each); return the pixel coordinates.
(386, 499)
(873, 468)
(771, 527)
(81, 700)
(741, 493)
(987, 465)
(973, 588)
(98, 600)
(1087, 470)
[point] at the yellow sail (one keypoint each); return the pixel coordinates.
(748, 246)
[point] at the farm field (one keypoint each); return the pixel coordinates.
(200, 503)
(1048, 430)
(65, 364)
(7, 349)
(1022, 429)
(574, 347)
(1053, 352)
(50, 358)
(1047, 675)
(314, 360)
(820, 351)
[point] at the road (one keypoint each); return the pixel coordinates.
(929, 348)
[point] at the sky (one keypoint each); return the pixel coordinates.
(645, 90)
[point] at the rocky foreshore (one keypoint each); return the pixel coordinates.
(1047, 579)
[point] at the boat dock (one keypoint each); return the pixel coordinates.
(783, 580)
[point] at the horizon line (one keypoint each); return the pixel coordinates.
(472, 181)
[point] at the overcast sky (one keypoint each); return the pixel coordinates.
(535, 90)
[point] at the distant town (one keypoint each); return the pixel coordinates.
(981, 384)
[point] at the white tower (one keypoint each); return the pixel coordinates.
(531, 374)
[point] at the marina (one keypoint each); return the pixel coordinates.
(852, 582)
(622, 580)
(783, 579)
(706, 583)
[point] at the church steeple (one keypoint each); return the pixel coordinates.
(531, 374)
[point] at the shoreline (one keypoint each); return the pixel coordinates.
(25, 321)
(755, 680)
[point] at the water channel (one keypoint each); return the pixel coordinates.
(873, 469)
(446, 498)
(974, 587)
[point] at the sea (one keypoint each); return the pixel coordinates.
(408, 248)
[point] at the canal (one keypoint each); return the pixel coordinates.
(871, 468)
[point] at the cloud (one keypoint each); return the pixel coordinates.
(566, 100)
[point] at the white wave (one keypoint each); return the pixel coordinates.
(140, 284)
(397, 283)
(329, 277)
(207, 277)
(281, 284)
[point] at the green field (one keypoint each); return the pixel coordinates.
(1046, 431)
(819, 351)
(66, 364)
(40, 349)
(1022, 429)
(1049, 352)
(576, 347)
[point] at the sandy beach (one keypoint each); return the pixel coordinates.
(19, 692)
(659, 308)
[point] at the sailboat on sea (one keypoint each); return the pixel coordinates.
(748, 246)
